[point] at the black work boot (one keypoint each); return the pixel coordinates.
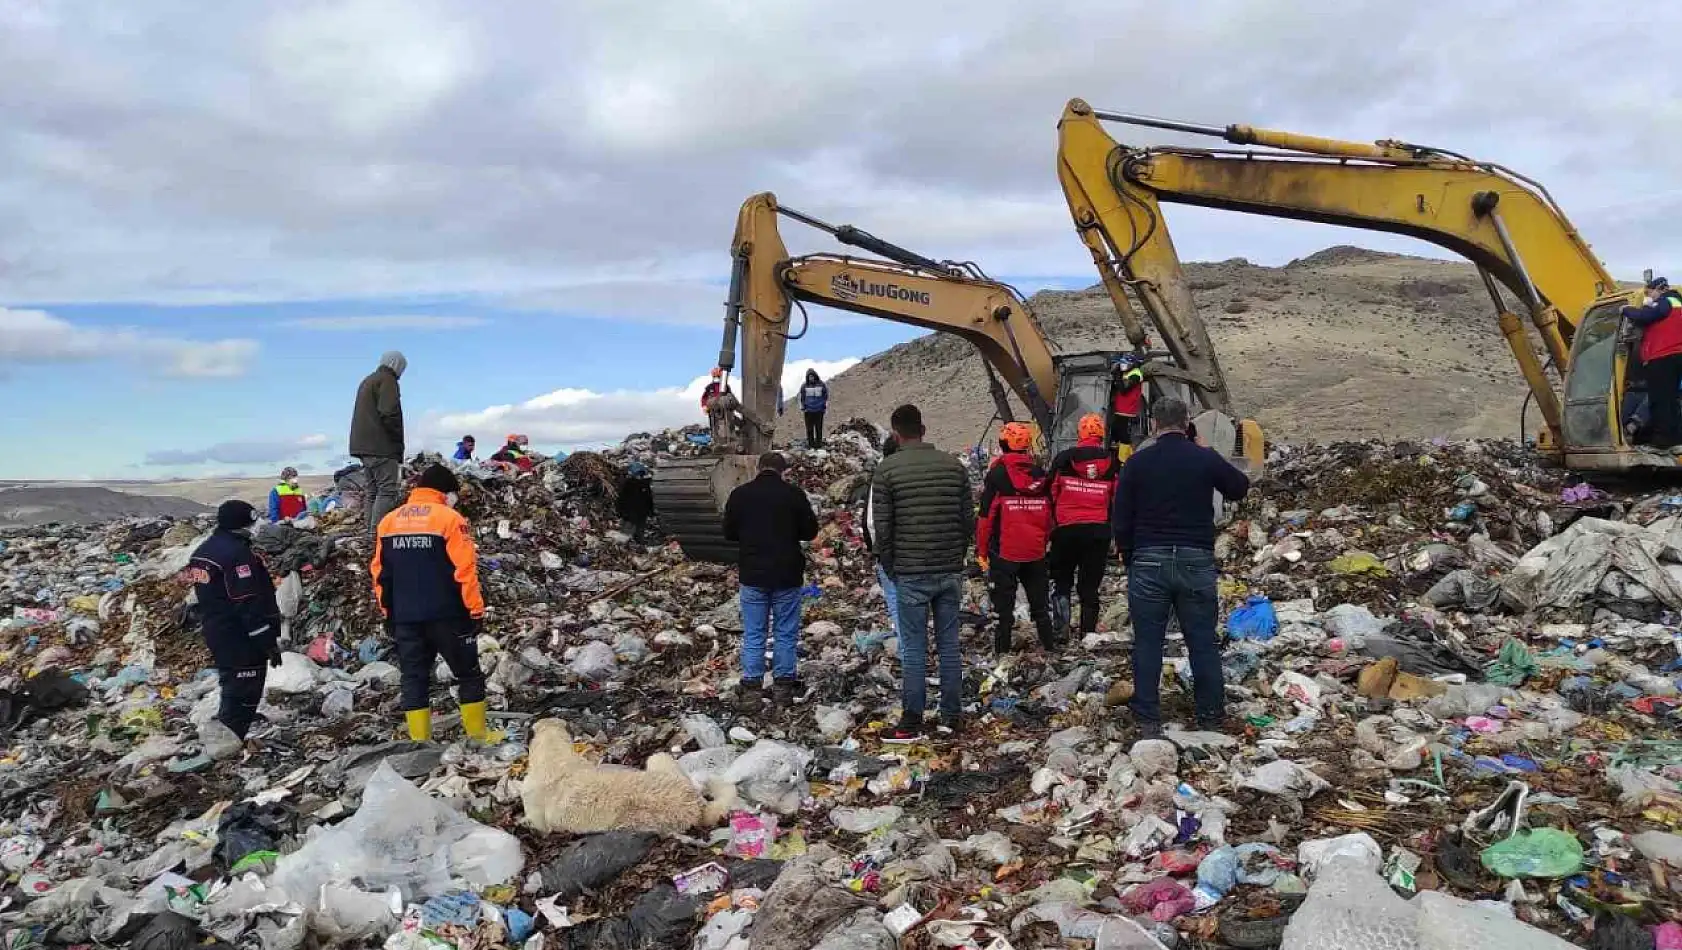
(1050, 637)
(1150, 730)
(1001, 642)
(750, 699)
(783, 692)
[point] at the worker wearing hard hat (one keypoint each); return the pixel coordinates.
(1083, 480)
(1127, 404)
(1014, 522)
(713, 388)
(1661, 361)
(426, 579)
(286, 499)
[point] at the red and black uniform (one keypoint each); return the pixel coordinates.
(426, 579)
(1012, 531)
(1083, 481)
(1127, 407)
(1661, 363)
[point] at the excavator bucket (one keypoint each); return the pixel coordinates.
(689, 495)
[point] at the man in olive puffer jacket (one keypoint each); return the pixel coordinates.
(922, 521)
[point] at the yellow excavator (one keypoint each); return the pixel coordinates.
(1504, 223)
(767, 283)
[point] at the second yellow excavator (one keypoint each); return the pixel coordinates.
(1504, 223)
(767, 283)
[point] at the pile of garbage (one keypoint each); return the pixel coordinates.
(1452, 677)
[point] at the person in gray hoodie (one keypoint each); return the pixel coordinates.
(376, 434)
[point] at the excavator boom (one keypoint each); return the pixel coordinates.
(1505, 224)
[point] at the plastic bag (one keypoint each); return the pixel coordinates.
(863, 821)
(401, 837)
(1540, 852)
(802, 905)
(595, 661)
(248, 828)
(862, 931)
(707, 733)
(595, 861)
(1153, 757)
(1253, 621)
(1313, 856)
(1358, 562)
(772, 774)
(289, 595)
(1513, 665)
(1164, 899)
(297, 674)
(1351, 621)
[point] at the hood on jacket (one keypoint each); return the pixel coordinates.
(812, 376)
(1020, 467)
(394, 361)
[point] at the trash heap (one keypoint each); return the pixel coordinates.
(1451, 672)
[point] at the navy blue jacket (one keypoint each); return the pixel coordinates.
(814, 397)
(1165, 496)
(236, 599)
(767, 519)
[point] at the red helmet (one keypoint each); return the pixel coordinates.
(1016, 436)
(718, 372)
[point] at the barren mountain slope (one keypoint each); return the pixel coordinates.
(1345, 343)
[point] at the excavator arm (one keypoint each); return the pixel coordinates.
(766, 284)
(1504, 223)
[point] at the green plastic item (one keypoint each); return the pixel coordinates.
(1513, 665)
(1359, 562)
(1539, 852)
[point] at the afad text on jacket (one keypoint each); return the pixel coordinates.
(1015, 521)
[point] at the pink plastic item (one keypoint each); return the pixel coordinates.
(1667, 936)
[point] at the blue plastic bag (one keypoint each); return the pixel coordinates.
(1253, 621)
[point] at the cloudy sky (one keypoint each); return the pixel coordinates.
(214, 217)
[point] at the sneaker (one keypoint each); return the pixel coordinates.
(750, 698)
(908, 731)
(950, 726)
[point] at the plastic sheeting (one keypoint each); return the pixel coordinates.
(1570, 566)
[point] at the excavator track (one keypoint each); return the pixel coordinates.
(689, 496)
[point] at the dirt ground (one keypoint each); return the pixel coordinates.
(1345, 343)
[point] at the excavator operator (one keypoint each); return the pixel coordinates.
(1661, 361)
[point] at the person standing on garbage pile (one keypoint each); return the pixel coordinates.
(426, 580)
(464, 449)
(1165, 531)
(814, 400)
(636, 499)
(713, 388)
(515, 452)
(1661, 361)
(286, 499)
(1083, 482)
(923, 519)
(890, 445)
(767, 519)
(1127, 406)
(1013, 527)
(376, 434)
(241, 617)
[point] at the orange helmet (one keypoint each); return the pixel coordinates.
(1016, 436)
(1091, 427)
(718, 372)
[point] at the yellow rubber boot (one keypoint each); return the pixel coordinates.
(473, 721)
(420, 724)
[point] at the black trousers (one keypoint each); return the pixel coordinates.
(419, 645)
(1036, 583)
(1077, 552)
(814, 429)
(1125, 430)
(242, 690)
(1662, 376)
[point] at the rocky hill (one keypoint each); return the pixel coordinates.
(82, 504)
(1345, 343)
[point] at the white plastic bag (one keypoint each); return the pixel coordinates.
(297, 674)
(772, 774)
(401, 837)
(595, 661)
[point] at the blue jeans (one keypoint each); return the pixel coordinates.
(1182, 581)
(778, 611)
(891, 595)
(919, 595)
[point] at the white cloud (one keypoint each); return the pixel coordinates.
(382, 322)
(198, 152)
(240, 453)
(572, 417)
(33, 336)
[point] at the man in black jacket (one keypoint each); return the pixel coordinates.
(376, 435)
(241, 618)
(768, 519)
(636, 499)
(1165, 529)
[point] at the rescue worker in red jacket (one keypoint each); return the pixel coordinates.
(1011, 534)
(1661, 361)
(426, 579)
(1083, 481)
(1127, 405)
